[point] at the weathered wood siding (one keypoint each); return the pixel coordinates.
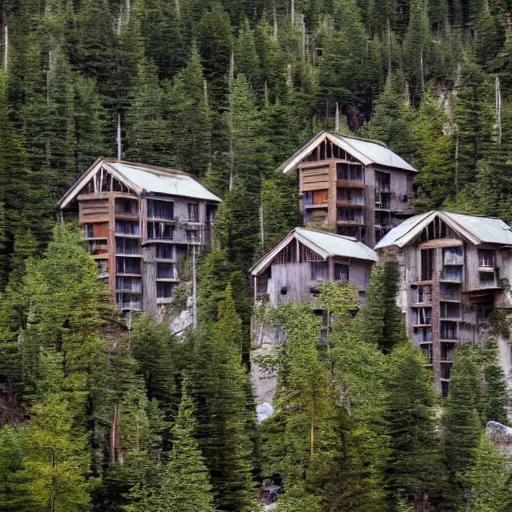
(296, 277)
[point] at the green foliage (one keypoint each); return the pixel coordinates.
(414, 468)
(382, 322)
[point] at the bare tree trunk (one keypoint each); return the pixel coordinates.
(498, 108)
(262, 227)
(457, 160)
(389, 45)
(274, 13)
(292, 12)
(337, 119)
(5, 38)
(119, 139)
(178, 10)
(194, 287)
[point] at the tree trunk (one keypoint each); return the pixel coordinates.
(4, 31)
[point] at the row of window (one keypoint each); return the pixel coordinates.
(165, 210)
(126, 299)
(320, 271)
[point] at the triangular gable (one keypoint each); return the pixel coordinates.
(365, 152)
(95, 170)
(406, 232)
(261, 265)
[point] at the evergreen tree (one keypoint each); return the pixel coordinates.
(381, 320)
(247, 61)
(414, 468)
(489, 479)
(461, 423)
(225, 425)
(11, 459)
(185, 483)
(496, 396)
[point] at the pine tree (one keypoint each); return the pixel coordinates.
(381, 320)
(225, 425)
(344, 65)
(156, 353)
(435, 156)
(11, 460)
(417, 47)
(414, 468)
(496, 396)
(247, 61)
(55, 456)
(489, 480)
(147, 132)
(215, 43)
(460, 421)
(474, 123)
(185, 485)
(191, 119)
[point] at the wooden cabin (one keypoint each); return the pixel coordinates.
(139, 221)
(291, 269)
(455, 270)
(350, 186)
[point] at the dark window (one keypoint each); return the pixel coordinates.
(128, 265)
(160, 230)
(127, 246)
(192, 235)
(124, 227)
(319, 271)
(193, 212)
(341, 272)
(166, 271)
(486, 258)
(89, 230)
(165, 252)
(427, 256)
(164, 290)
(160, 209)
(487, 279)
(129, 284)
(352, 172)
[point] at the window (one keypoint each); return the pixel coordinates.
(453, 256)
(89, 230)
(124, 227)
(164, 290)
(166, 271)
(349, 215)
(128, 265)
(192, 235)
(128, 284)
(165, 252)
(352, 172)
(382, 181)
(102, 267)
(427, 256)
(319, 271)
(128, 301)
(486, 258)
(487, 279)
(193, 212)
(160, 209)
(341, 272)
(350, 195)
(160, 230)
(127, 246)
(126, 206)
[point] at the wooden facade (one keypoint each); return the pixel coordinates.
(291, 271)
(136, 236)
(344, 193)
(451, 284)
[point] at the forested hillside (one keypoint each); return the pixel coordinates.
(99, 417)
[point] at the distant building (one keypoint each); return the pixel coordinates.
(292, 268)
(291, 272)
(351, 186)
(456, 269)
(139, 221)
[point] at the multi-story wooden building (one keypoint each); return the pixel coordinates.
(456, 270)
(351, 186)
(290, 270)
(139, 221)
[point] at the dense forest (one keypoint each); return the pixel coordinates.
(98, 416)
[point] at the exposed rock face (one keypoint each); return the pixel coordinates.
(178, 323)
(264, 342)
(500, 435)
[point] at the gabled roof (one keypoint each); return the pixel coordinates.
(141, 178)
(365, 151)
(476, 229)
(323, 244)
